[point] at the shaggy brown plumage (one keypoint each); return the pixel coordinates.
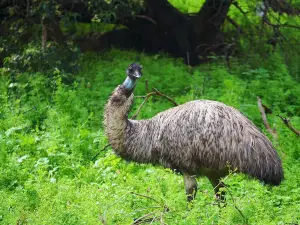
(198, 138)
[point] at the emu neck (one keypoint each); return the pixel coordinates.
(129, 84)
(115, 118)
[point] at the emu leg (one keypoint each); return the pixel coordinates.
(190, 184)
(217, 184)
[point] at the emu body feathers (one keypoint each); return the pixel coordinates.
(197, 138)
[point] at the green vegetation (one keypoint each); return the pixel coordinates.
(51, 131)
(51, 112)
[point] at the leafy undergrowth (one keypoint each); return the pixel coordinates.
(50, 133)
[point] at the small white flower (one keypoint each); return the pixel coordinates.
(52, 180)
(21, 159)
(42, 161)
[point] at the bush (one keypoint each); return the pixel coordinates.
(50, 131)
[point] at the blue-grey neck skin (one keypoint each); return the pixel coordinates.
(129, 83)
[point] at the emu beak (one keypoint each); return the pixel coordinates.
(137, 74)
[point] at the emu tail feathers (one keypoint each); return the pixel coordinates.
(263, 161)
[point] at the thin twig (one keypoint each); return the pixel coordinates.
(103, 217)
(93, 159)
(167, 97)
(161, 204)
(235, 24)
(161, 219)
(141, 105)
(137, 221)
(265, 121)
(233, 201)
(146, 196)
(147, 18)
(286, 122)
(156, 92)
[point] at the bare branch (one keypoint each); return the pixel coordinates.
(236, 4)
(282, 6)
(286, 122)
(235, 24)
(233, 201)
(141, 105)
(147, 18)
(165, 96)
(106, 146)
(142, 218)
(280, 25)
(146, 196)
(289, 25)
(279, 37)
(265, 121)
(156, 92)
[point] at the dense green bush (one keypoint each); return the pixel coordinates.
(50, 60)
(50, 132)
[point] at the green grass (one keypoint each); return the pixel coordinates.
(49, 133)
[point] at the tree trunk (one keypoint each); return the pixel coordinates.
(161, 27)
(158, 27)
(51, 31)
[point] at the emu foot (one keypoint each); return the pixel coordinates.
(190, 197)
(220, 198)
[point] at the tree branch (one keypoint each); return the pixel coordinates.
(163, 206)
(106, 146)
(142, 218)
(282, 6)
(156, 92)
(146, 196)
(233, 201)
(265, 121)
(146, 18)
(236, 4)
(286, 122)
(235, 24)
(267, 21)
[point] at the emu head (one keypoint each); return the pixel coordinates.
(134, 72)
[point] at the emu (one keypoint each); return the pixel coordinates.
(198, 138)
